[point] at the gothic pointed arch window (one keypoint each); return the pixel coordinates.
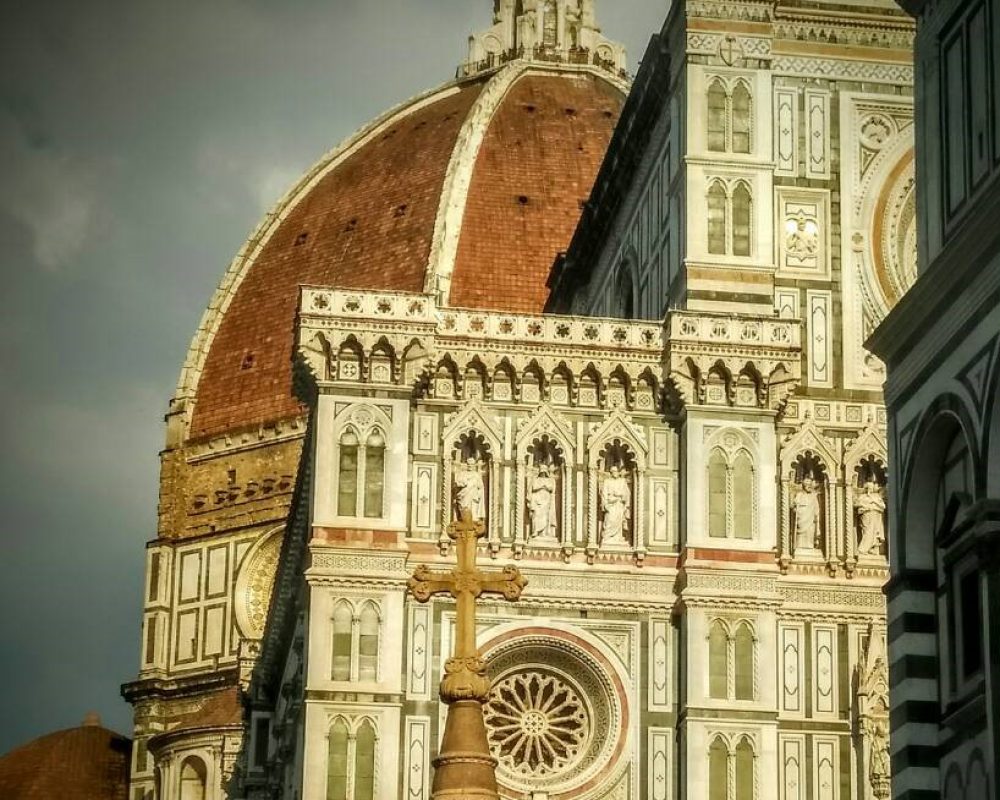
(194, 779)
(718, 661)
(368, 642)
(625, 291)
(717, 218)
(741, 118)
(743, 647)
(337, 761)
(343, 645)
(717, 102)
(550, 25)
(374, 483)
(717, 494)
(744, 770)
(718, 769)
(732, 489)
(742, 209)
(347, 482)
(364, 762)
(729, 115)
(743, 496)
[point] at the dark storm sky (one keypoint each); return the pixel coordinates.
(140, 142)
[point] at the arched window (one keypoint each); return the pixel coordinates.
(718, 770)
(741, 220)
(717, 116)
(717, 469)
(361, 474)
(193, 779)
(741, 118)
(717, 218)
(347, 476)
(744, 770)
(956, 477)
(364, 763)
(624, 291)
(744, 647)
(743, 496)
(374, 474)
(368, 643)
(343, 622)
(336, 774)
(718, 661)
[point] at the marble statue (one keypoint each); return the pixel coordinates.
(870, 508)
(470, 487)
(542, 504)
(807, 516)
(616, 503)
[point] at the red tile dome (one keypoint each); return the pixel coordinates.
(468, 192)
(85, 763)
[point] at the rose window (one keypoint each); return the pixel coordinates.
(538, 724)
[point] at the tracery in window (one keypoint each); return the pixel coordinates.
(731, 661)
(361, 463)
(729, 116)
(731, 492)
(357, 633)
(730, 218)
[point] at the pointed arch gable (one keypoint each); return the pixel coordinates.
(808, 438)
(548, 421)
(618, 426)
(474, 417)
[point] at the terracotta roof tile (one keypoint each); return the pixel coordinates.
(86, 763)
(368, 224)
(538, 164)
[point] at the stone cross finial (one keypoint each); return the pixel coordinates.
(465, 768)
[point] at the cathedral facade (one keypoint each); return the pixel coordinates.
(672, 427)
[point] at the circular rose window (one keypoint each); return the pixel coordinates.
(555, 717)
(538, 723)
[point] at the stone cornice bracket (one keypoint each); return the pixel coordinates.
(349, 337)
(732, 360)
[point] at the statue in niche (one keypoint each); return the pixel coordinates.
(879, 768)
(869, 506)
(470, 488)
(616, 506)
(542, 503)
(807, 515)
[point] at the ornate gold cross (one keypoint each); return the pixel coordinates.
(464, 768)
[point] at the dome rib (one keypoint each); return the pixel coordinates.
(437, 196)
(201, 344)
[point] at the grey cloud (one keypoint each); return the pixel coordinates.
(140, 142)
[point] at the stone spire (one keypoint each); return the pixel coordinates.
(544, 30)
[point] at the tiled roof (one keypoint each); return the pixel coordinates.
(86, 763)
(219, 710)
(370, 221)
(536, 168)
